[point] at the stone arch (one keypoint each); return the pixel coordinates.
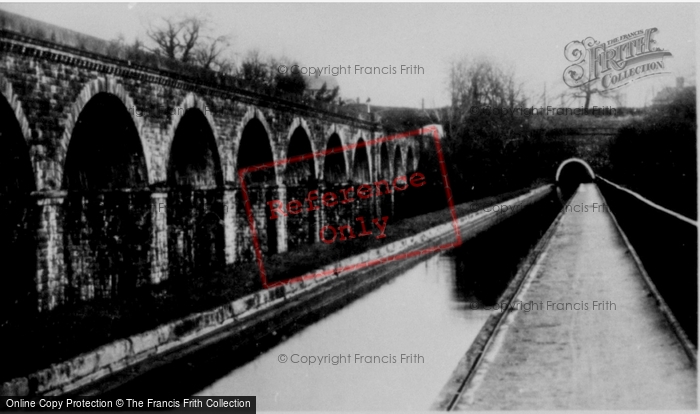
(338, 157)
(255, 147)
(195, 199)
(410, 160)
(15, 128)
(107, 209)
(295, 170)
(194, 148)
(92, 88)
(362, 174)
(576, 160)
(384, 161)
(300, 177)
(300, 124)
(336, 173)
(570, 175)
(399, 165)
(384, 174)
(361, 170)
(398, 202)
(189, 102)
(116, 160)
(18, 214)
(255, 114)
(16, 105)
(335, 167)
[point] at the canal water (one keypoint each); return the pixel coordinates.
(394, 348)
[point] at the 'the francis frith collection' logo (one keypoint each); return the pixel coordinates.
(614, 63)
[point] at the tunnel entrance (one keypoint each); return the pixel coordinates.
(17, 220)
(107, 219)
(570, 174)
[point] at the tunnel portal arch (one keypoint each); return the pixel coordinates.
(576, 160)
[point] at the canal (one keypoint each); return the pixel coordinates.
(394, 348)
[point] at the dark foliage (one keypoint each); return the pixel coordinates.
(656, 155)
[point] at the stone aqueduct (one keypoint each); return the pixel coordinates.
(116, 176)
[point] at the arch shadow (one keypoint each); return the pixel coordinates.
(195, 200)
(254, 149)
(385, 202)
(107, 219)
(18, 221)
(361, 174)
(300, 179)
(335, 177)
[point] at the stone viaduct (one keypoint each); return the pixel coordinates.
(116, 175)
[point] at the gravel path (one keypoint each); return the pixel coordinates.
(612, 357)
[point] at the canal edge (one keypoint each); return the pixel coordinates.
(675, 326)
(125, 357)
(469, 363)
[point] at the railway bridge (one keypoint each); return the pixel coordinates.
(117, 175)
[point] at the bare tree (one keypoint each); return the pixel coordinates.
(586, 92)
(480, 83)
(209, 55)
(254, 70)
(186, 40)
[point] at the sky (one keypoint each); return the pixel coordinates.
(528, 38)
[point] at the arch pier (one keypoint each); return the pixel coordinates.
(122, 176)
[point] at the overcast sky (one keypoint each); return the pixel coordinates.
(528, 37)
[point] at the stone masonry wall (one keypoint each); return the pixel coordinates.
(48, 86)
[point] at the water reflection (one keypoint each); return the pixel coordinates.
(432, 310)
(413, 314)
(485, 264)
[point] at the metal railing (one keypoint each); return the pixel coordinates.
(666, 243)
